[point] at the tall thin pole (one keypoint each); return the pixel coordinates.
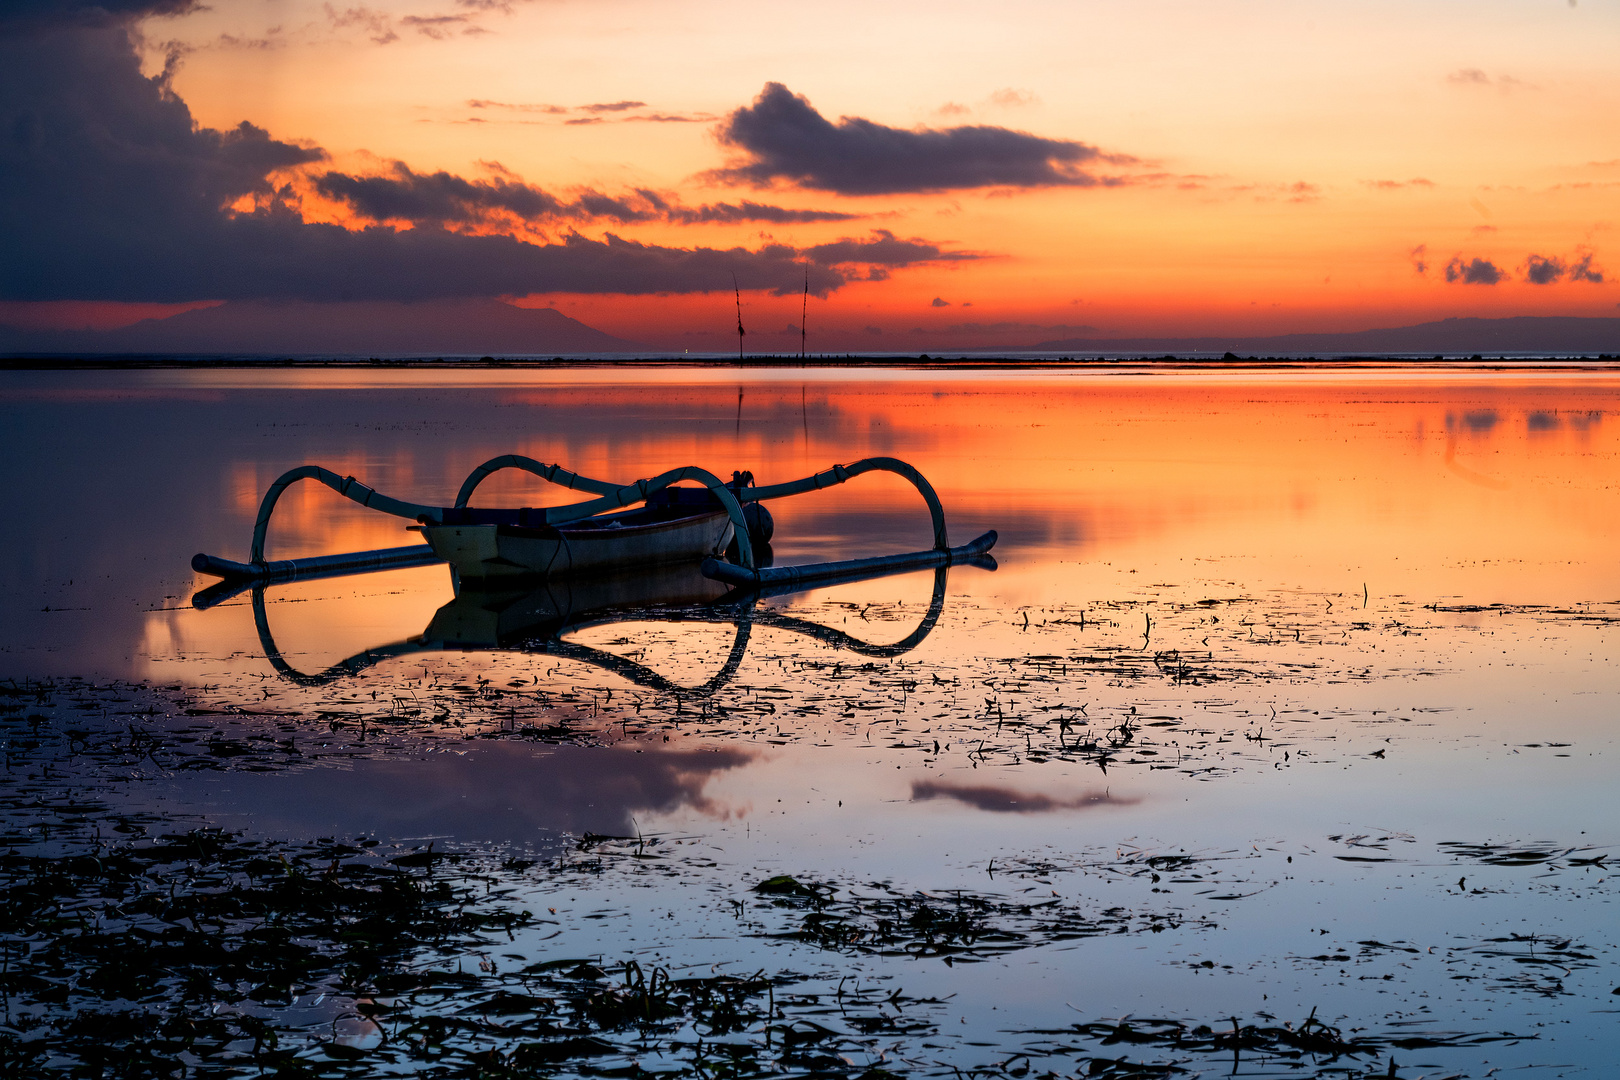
(804, 311)
(737, 292)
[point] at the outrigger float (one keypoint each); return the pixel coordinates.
(721, 526)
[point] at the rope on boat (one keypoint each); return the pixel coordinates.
(552, 474)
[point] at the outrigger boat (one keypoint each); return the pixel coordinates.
(722, 526)
(525, 577)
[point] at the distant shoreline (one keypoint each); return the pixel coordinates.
(966, 362)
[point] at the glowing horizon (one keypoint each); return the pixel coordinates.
(947, 178)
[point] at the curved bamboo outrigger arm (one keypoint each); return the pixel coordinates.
(347, 486)
(552, 474)
(612, 498)
(838, 474)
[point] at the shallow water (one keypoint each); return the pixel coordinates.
(1295, 690)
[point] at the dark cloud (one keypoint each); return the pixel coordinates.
(1474, 271)
(1542, 271)
(1546, 270)
(18, 15)
(597, 205)
(376, 24)
(727, 213)
(1420, 258)
(883, 248)
(110, 191)
(439, 198)
(613, 107)
(445, 199)
(785, 138)
(437, 27)
(939, 301)
(1583, 270)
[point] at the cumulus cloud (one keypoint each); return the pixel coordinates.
(939, 301)
(1543, 271)
(1419, 257)
(1475, 271)
(1583, 270)
(1548, 270)
(110, 191)
(784, 138)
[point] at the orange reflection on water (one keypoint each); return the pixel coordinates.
(1437, 487)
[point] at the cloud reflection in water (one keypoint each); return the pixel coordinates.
(1010, 800)
(497, 792)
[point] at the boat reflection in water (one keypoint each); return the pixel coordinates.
(534, 617)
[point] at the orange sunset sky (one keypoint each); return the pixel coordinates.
(946, 174)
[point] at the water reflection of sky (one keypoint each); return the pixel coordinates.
(1405, 585)
(1496, 490)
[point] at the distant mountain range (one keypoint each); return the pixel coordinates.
(292, 328)
(478, 327)
(1539, 334)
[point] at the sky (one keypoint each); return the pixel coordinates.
(937, 175)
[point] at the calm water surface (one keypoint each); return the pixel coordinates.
(1347, 643)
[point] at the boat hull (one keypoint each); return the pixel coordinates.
(601, 545)
(511, 617)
